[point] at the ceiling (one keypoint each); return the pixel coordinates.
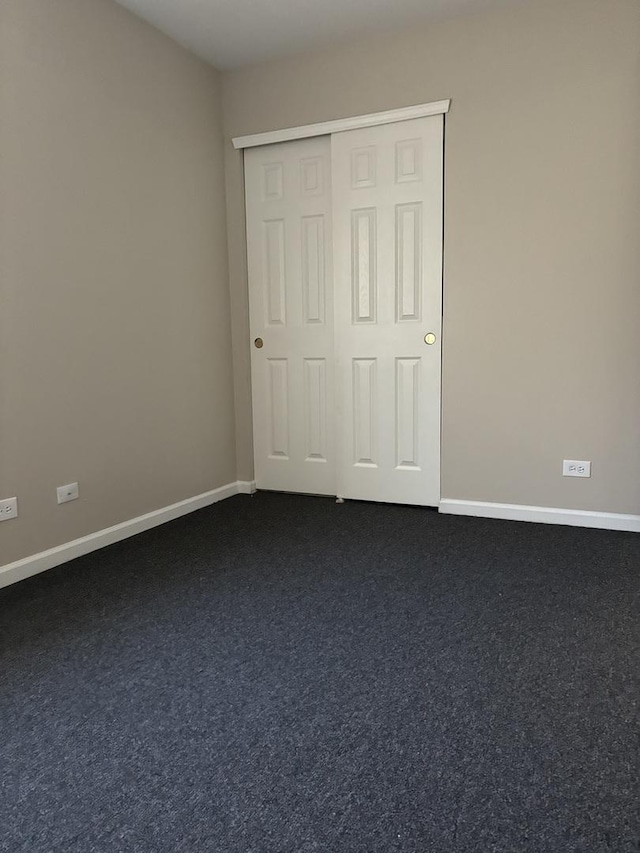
(231, 33)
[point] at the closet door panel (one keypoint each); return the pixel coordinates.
(289, 233)
(387, 245)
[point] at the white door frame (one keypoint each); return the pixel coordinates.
(325, 128)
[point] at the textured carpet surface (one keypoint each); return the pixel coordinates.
(282, 674)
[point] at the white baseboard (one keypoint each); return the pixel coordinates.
(21, 569)
(543, 514)
(33, 565)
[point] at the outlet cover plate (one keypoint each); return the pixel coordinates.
(8, 509)
(576, 468)
(67, 493)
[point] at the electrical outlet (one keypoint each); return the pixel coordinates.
(576, 468)
(67, 493)
(8, 509)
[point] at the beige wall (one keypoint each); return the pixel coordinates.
(115, 363)
(542, 256)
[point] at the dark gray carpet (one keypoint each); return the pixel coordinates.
(283, 674)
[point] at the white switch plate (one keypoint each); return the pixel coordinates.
(67, 493)
(576, 468)
(8, 509)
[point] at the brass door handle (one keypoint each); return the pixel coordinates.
(259, 343)
(429, 338)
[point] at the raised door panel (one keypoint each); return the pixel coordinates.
(316, 415)
(363, 265)
(272, 181)
(408, 160)
(274, 278)
(312, 171)
(364, 405)
(408, 272)
(278, 416)
(314, 280)
(407, 422)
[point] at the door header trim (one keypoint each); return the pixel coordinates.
(326, 127)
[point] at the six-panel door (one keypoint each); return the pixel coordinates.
(387, 203)
(288, 198)
(372, 198)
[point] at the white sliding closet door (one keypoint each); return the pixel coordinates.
(387, 246)
(371, 199)
(288, 199)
